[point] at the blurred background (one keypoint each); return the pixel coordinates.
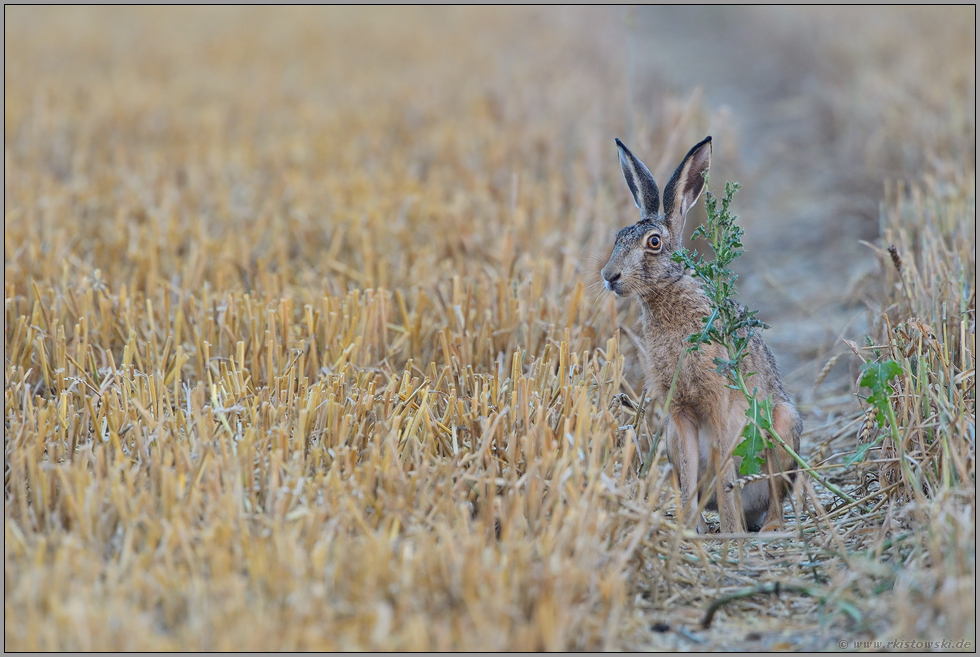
(335, 115)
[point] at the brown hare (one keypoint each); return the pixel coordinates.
(705, 416)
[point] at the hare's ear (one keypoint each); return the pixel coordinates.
(640, 181)
(686, 185)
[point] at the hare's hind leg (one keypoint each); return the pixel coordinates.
(773, 519)
(729, 506)
(684, 454)
(787, 423)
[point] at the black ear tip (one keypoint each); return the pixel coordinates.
(619, 143)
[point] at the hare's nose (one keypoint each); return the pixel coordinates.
(615, 277)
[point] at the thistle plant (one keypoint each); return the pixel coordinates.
(732, 326)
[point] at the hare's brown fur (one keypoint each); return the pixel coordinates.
(705, 416)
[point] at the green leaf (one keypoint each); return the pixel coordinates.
(858, 454)
(878, 377)
(754, 439)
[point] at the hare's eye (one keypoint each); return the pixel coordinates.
(654, 242)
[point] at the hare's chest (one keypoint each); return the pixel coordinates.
(687, 377)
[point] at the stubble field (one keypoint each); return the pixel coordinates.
(305, 346)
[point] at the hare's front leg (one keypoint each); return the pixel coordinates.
(732, 518)
(684, 453)
(727, 436)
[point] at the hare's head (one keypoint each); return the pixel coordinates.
(641, 257)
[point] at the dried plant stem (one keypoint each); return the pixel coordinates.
(813, 473)
(776, 588)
